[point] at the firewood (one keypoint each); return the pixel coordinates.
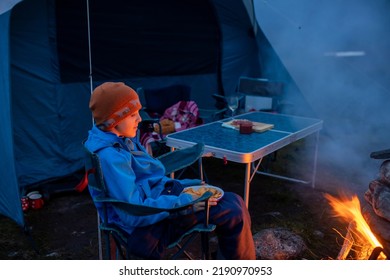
(348, 242)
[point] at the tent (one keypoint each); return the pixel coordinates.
(54, 52)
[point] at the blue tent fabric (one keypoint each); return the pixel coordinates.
(46, 118)
(239, 45)
(10, 204)
(48, 127)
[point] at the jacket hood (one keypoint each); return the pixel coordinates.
(99, 139)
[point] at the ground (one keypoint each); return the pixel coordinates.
(66, 227)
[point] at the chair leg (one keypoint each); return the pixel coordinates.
(99, 233)
(182, 247)
(205, 245)
(107, 241)
(117, 250)
(182, 251)
(113, 248)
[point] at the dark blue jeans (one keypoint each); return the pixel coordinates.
(233, 230)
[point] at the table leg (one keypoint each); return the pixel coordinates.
(172, 175)
(200, 164)
(314, 173)
(247, 183)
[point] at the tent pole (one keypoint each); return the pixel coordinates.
(91, 89)
(89, 49)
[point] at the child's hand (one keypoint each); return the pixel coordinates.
(201, 205)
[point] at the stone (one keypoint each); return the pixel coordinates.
(379, 226)
(384, 172)
(278, 244)
(378, 196)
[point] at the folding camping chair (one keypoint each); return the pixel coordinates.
(261, 94)
(173, 161)
(257, 94)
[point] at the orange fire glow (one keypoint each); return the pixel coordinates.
(349, 210)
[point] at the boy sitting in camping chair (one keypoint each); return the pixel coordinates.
(132, 175)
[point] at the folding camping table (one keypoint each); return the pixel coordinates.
(229, 144)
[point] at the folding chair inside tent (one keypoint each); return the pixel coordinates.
(177, 160)
(261, 94)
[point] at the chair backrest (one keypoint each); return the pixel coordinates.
(93, 170)
(99, 193)
(261, 94)
(96, 185)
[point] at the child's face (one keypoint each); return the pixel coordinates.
(128, 126)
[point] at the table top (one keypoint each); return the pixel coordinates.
(228, 143)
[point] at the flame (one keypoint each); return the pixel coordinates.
(349, 210)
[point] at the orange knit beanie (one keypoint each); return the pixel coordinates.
(112, 102)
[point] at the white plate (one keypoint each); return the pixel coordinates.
(204, 188)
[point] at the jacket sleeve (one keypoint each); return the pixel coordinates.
(120, 180)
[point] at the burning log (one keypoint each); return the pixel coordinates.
(356, 246)
(348, 242)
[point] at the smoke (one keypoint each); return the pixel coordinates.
(337, 52)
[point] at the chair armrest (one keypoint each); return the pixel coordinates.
(190, 182)
(219, 97)
(181, 158)
(142, 210)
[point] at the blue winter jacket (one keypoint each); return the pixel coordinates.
(132, 175)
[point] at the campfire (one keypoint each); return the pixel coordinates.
(359, 242)
(368, 232)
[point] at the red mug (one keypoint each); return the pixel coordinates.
(36, 201)
(246, 127)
